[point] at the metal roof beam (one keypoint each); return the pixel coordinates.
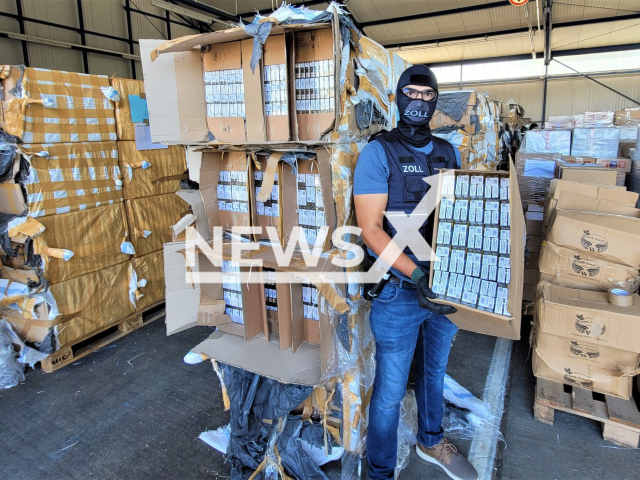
(527, 56)
(499, 33)
(439, 13)
(209, 10)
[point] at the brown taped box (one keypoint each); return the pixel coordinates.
(584, 353)
(612, 237)
(86, 304)
(588, 317)
(125, 87)
(569, 268)
(479, 321)
(150, 220)
(149, 268)
(558, 369)
(567, 200)
(167, 167)
(623, 164)
(94, 236)
(593, 174)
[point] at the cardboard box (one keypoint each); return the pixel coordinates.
(176, 93)
(95, 237)
(82, 306)
(67, 177)
(595, 142)
(534, 243)
(531, 276)
(131, 94)
(532, 260)
(588, 317)
(150, 221)
(547, 141)
(216, 180)
(561, 370)
(12, 199)
(612, 237)
(529, 293)
(578, 173)
(563, 266)
(569, 200)
(560, 349)
(188, 304)
(149, 270)
(146, 173)
(35, 106)
(534, 222)
(483, 322)
(277, 89)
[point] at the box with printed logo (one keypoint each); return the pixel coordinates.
(588, 317)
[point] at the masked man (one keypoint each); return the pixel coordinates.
(389, 177)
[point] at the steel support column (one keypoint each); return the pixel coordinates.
(127, 8)
(25, 49)
(83, 37)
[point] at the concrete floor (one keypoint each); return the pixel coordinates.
(134, 410)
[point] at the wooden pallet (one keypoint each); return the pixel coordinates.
(620, 418)
(97, 340)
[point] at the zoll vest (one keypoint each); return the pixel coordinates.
(407, 168)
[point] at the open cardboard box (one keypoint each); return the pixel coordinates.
(250, 346)
(174, 73)
(213, 162)
(479, 321)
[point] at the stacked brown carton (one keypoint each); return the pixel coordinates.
(65, 243)
(150, 180)
(586, 331)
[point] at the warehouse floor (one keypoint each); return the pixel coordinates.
(135, 410)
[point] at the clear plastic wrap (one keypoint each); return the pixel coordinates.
(598, 119)
(463, 414)
(564, 121)
(547, 142)
(595, 142)
(633, 177)
(11, 370)
(535, 172)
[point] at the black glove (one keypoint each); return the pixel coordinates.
(425, 294)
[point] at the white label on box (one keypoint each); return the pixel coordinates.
(444, 233)
(311, 218)
(461, 210)
(319, 218)
(459, 235)
(310, 180)
(311, 195)
(302, 197)
(448, 185)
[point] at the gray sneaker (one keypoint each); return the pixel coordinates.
(446, 456)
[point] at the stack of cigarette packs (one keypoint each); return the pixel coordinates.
(473, 244)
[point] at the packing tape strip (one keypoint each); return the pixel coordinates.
(620, 297)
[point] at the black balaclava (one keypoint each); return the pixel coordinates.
(415, 115)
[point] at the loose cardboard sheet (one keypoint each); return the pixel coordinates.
(68, 177)
(94, 236)
(265, 358)
(162, 176)
(52, 106)
(602, 175)
(150, 220)
(124, 121)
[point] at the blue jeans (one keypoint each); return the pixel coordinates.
(399, 325)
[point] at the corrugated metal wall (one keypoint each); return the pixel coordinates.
(565, 96)
(108, 17)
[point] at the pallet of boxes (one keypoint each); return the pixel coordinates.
(586, 334)
(72, 276)
(274, 151)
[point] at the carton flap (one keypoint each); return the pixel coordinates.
(182, 299)
(194, 199)
(175, 93)
(264, 358)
